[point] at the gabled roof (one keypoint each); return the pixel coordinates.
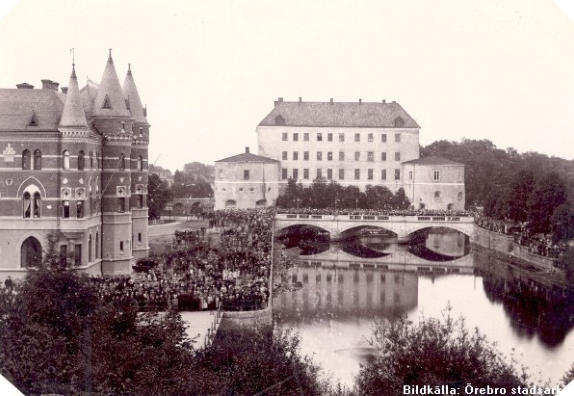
(339, 114)
(249, 158)
(133, 98)
(110, 90)
(19, 106)
(73, 114)
(432, 160)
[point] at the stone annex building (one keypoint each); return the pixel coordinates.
(352, 143)
(73, 174)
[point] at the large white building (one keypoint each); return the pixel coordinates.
(356, 143)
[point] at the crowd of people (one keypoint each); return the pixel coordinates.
(233, 274)
(376, 212)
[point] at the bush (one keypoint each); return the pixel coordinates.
(433, 352)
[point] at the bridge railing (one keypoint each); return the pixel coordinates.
(372, 217)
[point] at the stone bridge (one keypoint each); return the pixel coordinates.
(402, 226)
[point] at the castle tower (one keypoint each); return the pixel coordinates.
(112, 119)
(139, 168)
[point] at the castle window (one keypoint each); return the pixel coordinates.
(97, 245)
(36, 203)
(246, 174)
(66, 209)
(91, 160)
(27, 205)
(123, 126)
(140, 201)
(26, 159)
(81, 160)
(37, 159)
(79, 209)
(121, 246)
(66, 159)
(107, 104)
(90, 248)
(31, 203)
(121, 204)
(122, 161)
(139, 237)
(436, 175)
(399, 122)
(140, 163)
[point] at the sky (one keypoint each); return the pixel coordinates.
(210, 70)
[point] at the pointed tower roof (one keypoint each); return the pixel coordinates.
(133, 98)
(73, 114)
(110, 99)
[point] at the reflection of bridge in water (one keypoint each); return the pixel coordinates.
(402, 226)
(396, 259)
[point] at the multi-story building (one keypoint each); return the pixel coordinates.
(73, 174)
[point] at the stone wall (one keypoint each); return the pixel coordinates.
(505, 244)
(250, 319)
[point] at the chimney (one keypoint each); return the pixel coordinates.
(46, 84)
(64, 90)
(394, 101)
(55, 85)
(279, 100)
(247, 150)
(331, 100)
(300, 99)
(360, 100)
(24, 86)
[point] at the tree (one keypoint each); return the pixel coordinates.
(378, 197)
(562, 223)
(159, 195)
(548, 194)
(433, 352)
(566, 262)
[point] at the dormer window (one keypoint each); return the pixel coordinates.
(279, 120)
(107, 104)
(33, 120)
(399, 122)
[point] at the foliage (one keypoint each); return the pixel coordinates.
(566, 262)
(159, 195)
(321, 194)
(433, 352)
(568, 376)
(194, 181)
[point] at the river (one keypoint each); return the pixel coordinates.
(342, 288)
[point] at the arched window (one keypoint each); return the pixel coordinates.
(66, 159)
(36, 204)
(30, 252)
(37, 159)
(122, 161)
(91, 160)
(81, 160)
(230, 203)
(27, 205)
(140, 163)
(26, 158)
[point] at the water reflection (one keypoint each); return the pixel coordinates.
(342, 287)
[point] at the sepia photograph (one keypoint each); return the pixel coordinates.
(303, 197)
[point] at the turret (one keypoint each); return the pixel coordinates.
(110, 99)
(73, 114)
(132, 98)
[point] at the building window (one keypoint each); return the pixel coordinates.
(319, 175)
(460, 195)
(284, 136)
(370, 156)
(370, 137)
(437, 194)
(122, 161)
(341, 137)
(319, 137)
(295, 174)
(90, 248)
(329, 174)
(295, 155)
(66, 209)
(79, 209)
(397, 137)
(329, 156)
(306, 137)
(295, 137)
(357, 156)
(140, 201)
(319, 156)
(306, 155)
(27, 205)
(341, 156)
(97, 245)
(78, 254)
(370, 174)
(37, 159)
(436, 175)
(357, 137)
(140, 163)
(357, 174)
(383, 156)
(383, 174)
(397, 156)
(81, 160)
(397, 174)
(139, 237)
(284, 155)
(91, 161)
(306, 173)
(121, 204)
(341, 174)
(284, 174)
(121, 246)
(26, 159)
(329, 137)
(246, 174)
(410, 175)
(384, 138)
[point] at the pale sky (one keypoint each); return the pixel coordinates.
(210, 70)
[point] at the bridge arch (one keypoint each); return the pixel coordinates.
(462, 228)
(292, 227)
(353, 228)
